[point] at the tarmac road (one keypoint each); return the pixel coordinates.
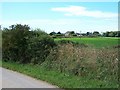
(12, 79)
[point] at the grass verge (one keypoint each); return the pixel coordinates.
(56, 78)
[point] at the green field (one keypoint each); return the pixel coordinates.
(94, 42)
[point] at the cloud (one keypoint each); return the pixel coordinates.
(83, 11)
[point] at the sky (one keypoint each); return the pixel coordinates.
(62, 16)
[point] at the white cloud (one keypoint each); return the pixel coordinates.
(82, 11)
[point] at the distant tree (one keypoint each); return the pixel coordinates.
(117, 33)
(83, 34)
(112, 34)
(88, 33)
(52, 33)
(72, 32)
(95, 32)
(59, 33)
(107, 34)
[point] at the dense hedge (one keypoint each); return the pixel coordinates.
(101, 64)
(22, 45)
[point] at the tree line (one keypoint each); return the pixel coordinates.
(88, 34)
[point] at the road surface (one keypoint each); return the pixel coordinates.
(11, 79)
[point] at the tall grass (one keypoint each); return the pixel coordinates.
(100, 64)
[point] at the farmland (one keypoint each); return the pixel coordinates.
(99, 42)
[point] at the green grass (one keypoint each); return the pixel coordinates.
(94, 42)
(56, 78)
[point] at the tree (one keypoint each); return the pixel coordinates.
(72, 32)
(112, 34)
(107, 34)
(52, 33)
(117, 34)
(88, 33)
(59, 33)
(25, 46)
(96, 33)
(15, 42)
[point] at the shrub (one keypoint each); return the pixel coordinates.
(14, 43)
(39, 46)
(86, 62)
(65, 42)
(61, 42)
(25, 46)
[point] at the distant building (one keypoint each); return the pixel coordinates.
(78, 34)
(69, 33)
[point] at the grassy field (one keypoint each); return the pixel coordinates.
(56, 78)
(94, 42)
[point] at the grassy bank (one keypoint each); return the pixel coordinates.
(56, 78)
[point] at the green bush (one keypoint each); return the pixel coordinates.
(14, 43)
(39, 46)
(63, 42)
(25, 46)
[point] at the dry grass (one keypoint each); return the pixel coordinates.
(99, 64)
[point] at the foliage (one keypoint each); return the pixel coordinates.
(96, 33)
(52, 33)
(112, 34)
(84, 62)
(39, 46)
(25, 46)
(59, 33)
(14, 43)
(65, 42)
